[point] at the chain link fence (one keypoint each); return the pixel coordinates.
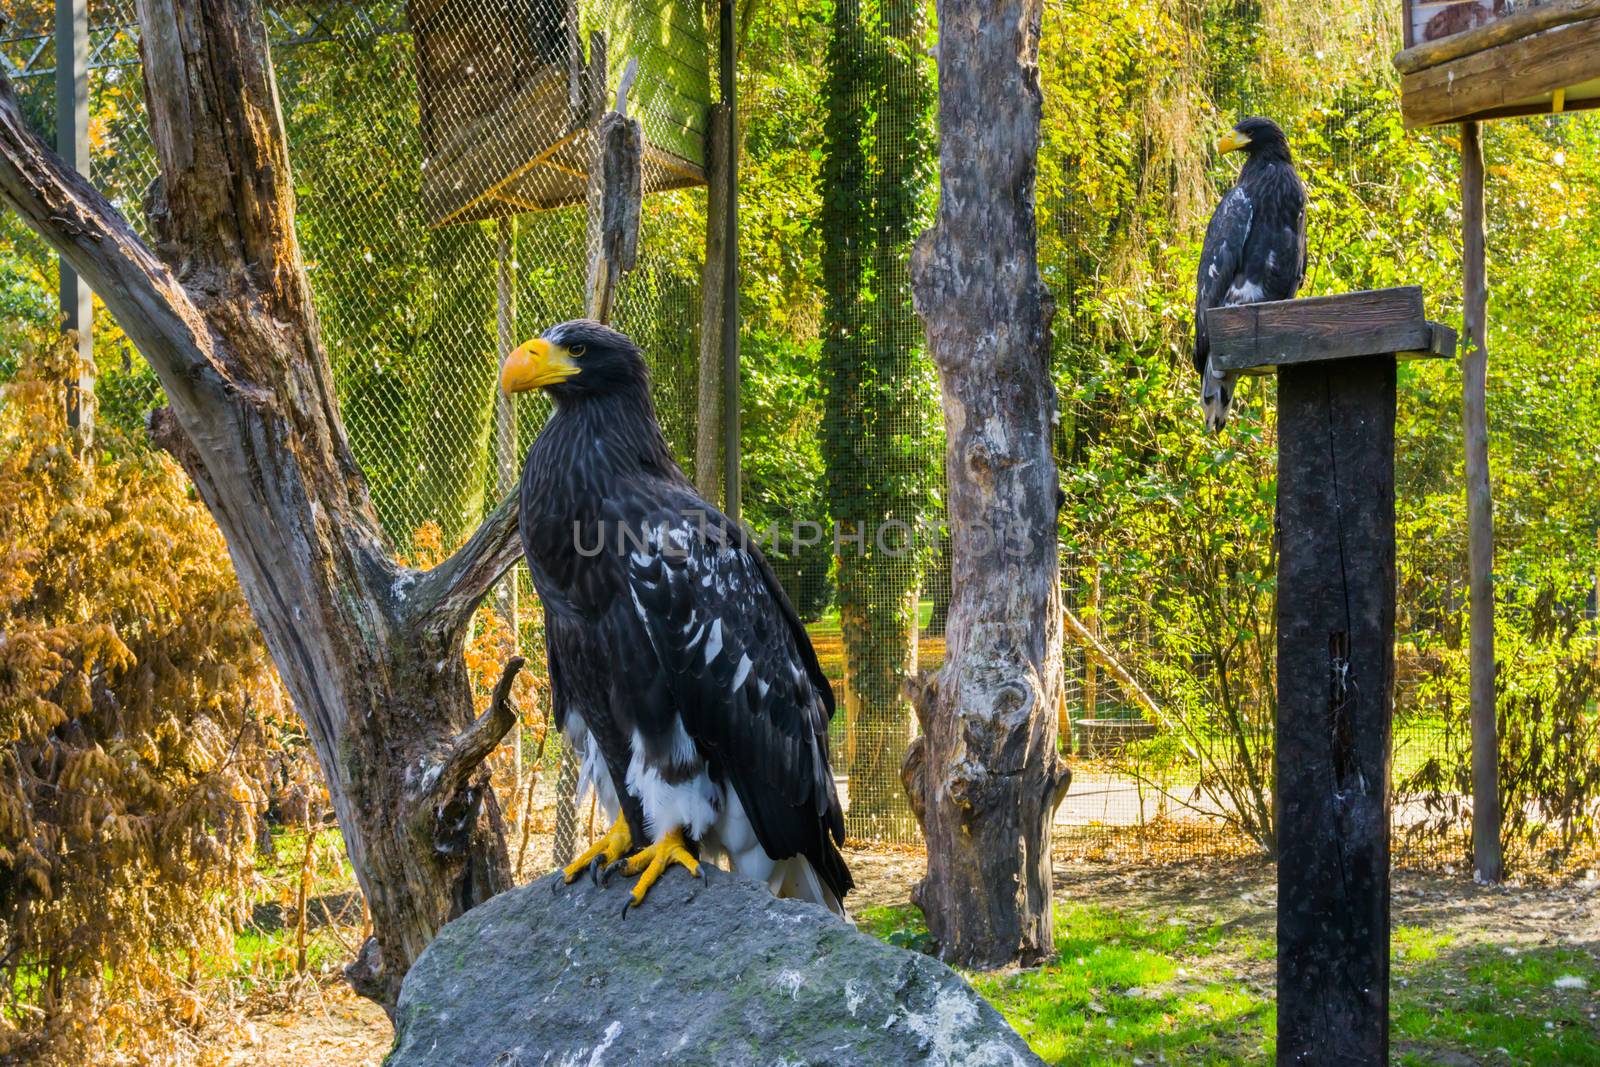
(441, 152)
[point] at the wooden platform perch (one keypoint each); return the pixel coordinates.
(1336, 360)
(510, 102)
(1471, 59)
(1261, 338)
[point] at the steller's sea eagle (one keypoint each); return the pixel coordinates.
(679, 671)
(1255, 247)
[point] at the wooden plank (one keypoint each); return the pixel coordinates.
(1503, 30)
(1336, 605)
(1539, 106)
(1505, 77)
(1441, 344)
(1255, 338)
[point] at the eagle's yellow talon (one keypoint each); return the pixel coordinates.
(654, 860)
(610, 848)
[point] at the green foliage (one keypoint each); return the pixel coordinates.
(1549, 735)
(878, 425)
(1180, 525)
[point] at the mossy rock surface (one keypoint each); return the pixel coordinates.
(706, 972)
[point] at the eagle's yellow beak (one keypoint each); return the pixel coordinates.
(1232, 141)
(534, 364)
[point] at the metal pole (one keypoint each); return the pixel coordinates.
(730, 277)
(72, 145)
(1486, 857)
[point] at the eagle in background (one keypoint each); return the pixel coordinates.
(1255, 247)
(679, 671)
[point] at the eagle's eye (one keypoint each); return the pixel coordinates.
(577, 350)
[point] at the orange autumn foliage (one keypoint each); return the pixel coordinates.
(137, 709)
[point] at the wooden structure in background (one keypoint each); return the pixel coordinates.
(1482, 59)
(1467, 61)
(72, 145)
(1335, 358)
(509, 102)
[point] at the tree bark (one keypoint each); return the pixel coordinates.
(985, 775)
(370, 651)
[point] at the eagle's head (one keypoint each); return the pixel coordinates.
(575, 359)
(1258, 138)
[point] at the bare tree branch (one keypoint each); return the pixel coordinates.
(446, 797)
(81, 225)
(446, 596)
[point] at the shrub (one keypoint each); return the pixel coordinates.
(136, 701)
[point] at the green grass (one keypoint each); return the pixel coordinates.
(1495, 1005)
(1132, 987)
(264, 956)
(1123, 987)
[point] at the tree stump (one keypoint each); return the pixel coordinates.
(1335, 358)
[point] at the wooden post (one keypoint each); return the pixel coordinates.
(1486, 858)
(72, 145)
(615, 200)
(1335, 358)
(1091, 619)
(506, 466)
(730, 270)
(708, 472)
(615, 184)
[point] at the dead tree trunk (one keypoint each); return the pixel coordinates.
(370, 651)
(985, 777)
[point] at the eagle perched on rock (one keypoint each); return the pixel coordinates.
(1255, 247)
(679, 671)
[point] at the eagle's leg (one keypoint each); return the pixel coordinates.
(610, 848)
(1216, 395)
(652, 861)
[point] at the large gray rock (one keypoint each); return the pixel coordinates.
(706, 972)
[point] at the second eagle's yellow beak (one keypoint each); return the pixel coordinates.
(534, 364)
(1232, 141)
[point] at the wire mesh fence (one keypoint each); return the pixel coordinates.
(441, 152)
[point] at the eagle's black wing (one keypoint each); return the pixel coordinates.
(741, 672)
(1220, 257)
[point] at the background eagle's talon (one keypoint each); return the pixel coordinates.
(594, 872)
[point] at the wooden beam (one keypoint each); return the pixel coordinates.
(1259, 338)
(1336, 608)
(1505, 77)
(1501, 31)
(1487, 861)
(1536, 107)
